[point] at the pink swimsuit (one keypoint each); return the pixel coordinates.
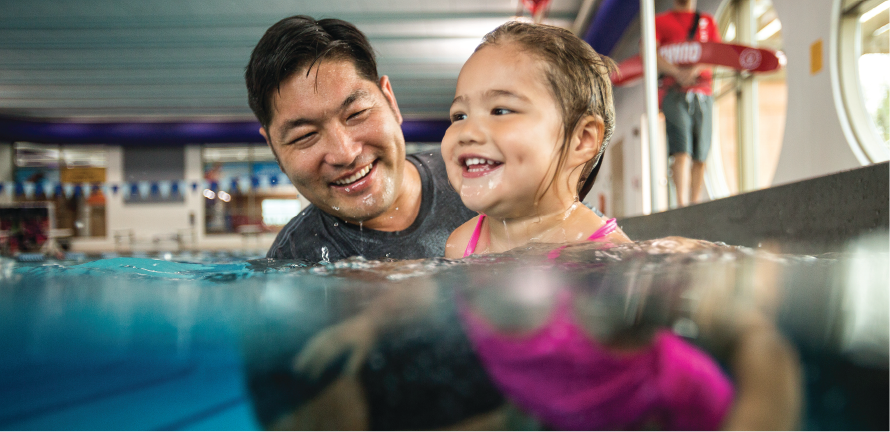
(569, 381)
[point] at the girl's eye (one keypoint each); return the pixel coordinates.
(500, 111)
(457, 117)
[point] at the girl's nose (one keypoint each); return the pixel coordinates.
(471, 132)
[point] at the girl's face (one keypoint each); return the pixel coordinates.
(505, 134)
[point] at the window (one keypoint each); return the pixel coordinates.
(245, 190)
(864, 62)
(279, 211)
(764, 120)
(69, 179)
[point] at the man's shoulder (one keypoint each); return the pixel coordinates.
(310, 220)
(431, 159)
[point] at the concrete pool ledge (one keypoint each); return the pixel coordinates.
(813, 216)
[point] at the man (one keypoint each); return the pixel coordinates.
(334, 127)
(687, 102)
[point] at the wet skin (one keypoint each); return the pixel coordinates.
(501, 153)
(510, 123)
(337, 137)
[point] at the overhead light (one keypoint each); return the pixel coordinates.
(770, 29)
(875, 11)
(883, 28)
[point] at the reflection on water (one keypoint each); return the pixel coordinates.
(651, 335)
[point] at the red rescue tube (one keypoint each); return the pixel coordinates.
(734, 56)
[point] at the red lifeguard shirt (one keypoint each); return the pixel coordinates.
(673, 27)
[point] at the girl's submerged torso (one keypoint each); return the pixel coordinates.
(568, 380)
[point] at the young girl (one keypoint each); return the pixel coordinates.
(531, 119)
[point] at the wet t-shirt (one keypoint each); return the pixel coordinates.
(316, 236)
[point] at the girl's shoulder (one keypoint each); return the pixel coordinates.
(459, 238)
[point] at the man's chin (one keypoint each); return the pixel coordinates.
(358, 216)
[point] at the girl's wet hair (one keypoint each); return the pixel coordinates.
(578, 77)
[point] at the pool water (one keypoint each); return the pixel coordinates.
(131, 343)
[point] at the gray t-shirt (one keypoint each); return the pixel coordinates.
(315, 236)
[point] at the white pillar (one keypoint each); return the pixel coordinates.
(650, 85)
(747, 104)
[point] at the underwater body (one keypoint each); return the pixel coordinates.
(207, 343)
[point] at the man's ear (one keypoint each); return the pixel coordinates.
(586, 140)
(386, 88)
(269, 143)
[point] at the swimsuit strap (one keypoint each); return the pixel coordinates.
(471, 246)
(610, 226)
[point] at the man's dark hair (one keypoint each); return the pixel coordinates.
(299, 42)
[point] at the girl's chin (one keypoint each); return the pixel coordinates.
(476, 204)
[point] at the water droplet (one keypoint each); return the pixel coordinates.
(336, 224)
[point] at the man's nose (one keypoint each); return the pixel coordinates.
(343, 148)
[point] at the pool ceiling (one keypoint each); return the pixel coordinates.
(164, 60)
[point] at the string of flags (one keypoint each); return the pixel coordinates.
(145, 189)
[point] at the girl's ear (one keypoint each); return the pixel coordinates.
(586, 140)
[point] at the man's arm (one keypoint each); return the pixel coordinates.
(768, 379)
(402, 301)
(685, 75)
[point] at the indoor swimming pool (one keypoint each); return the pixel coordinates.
(209, 342)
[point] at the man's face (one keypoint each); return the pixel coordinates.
(337, 137)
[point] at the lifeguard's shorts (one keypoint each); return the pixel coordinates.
(688, 123)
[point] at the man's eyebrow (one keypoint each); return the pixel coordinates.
(354, 96)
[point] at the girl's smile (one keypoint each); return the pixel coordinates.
(478, 166)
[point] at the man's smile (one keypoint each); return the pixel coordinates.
(344, 181)
(356, 181)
